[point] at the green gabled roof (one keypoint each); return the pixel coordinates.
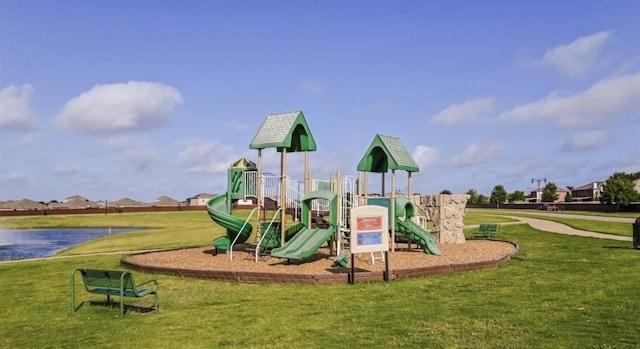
(387, 153)
(284, 131)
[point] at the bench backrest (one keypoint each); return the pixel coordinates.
(111, 279)
(487, 227)
(486, 230)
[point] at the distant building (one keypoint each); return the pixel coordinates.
(536, 195)
(165, 201)
(587, 192)
(24, 204)
(126, 202)
(74, 202)
(200, 199)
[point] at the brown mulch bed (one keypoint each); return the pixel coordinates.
(202, 262)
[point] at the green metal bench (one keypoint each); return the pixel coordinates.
(486, 231)
(112, 283)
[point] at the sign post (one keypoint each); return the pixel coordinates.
(369, 233)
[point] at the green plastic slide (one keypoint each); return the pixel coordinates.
(217, 209)
(417, 234)
(304, 244)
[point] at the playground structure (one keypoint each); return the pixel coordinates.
(311, 201)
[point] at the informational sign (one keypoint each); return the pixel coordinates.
(369, 229)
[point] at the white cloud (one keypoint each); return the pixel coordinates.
(587, 140)
(425, 156)
(603, 101)
(203, 156)
(575, 59)
(120, 107)
(477, 154)
(140, 160)
(15, 112)
(467, 112)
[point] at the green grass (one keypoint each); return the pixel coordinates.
(475, 217)
(558, 292)
(489, 211)
(605, 227)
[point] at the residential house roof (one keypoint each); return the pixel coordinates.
(165, 201)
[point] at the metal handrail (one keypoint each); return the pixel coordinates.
(238, 235)
(268, 226)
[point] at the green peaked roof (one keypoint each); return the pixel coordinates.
(387, 153)
(244, 163)
(284, 131)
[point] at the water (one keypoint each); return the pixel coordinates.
(35, 243)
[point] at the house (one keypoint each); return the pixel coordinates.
(536, 195)
(165, 201)
(74, 202)
(24, 204)
(587, 192)
(126, 202)
(200, 199)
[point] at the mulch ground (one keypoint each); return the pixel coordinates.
(241, 265)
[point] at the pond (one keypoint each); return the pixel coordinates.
(36, 243)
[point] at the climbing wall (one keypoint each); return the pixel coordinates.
(447, 213)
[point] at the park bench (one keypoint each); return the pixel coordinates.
(112, 283)
(486, 231)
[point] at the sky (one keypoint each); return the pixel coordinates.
(140, 99)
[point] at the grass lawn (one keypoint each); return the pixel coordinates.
(558, 292)
(605, 227)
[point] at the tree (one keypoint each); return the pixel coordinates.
(473, 196)
(549, 192)
(569, 196)
(482, 199)
(446, 191)
(619, 189)
(498, 194)
(517, 195)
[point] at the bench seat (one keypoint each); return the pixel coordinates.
(486, 231)
(112, 283)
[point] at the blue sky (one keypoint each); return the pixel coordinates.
(141, 99)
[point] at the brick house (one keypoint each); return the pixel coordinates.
(587, 192)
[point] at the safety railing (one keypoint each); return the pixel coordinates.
(238, 235)
(278, 212)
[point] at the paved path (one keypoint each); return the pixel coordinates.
(586, 217)
(554, 227)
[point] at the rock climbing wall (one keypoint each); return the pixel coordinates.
(447, 213)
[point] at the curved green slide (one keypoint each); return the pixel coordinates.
(417, 234)
(217, 209)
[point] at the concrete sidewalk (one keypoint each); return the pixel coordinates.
(559, 228)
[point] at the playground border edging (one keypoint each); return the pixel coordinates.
(270, 277)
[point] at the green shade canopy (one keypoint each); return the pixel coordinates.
(284, 131)
(387, 153)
